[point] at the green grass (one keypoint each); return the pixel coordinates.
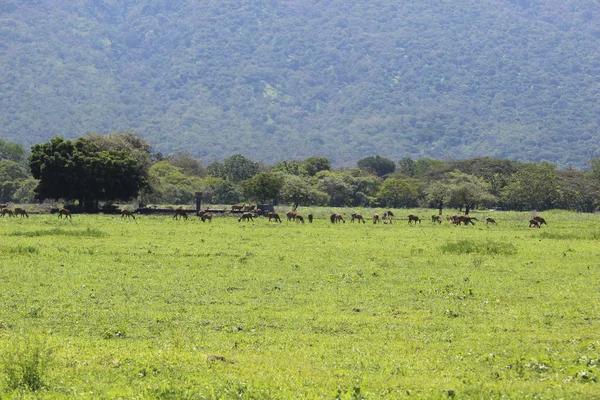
(100, 307)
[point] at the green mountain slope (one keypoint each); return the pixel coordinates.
(289, 79)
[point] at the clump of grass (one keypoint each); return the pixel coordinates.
(61, 232)
(20, 250)
(569, 235)
(25, 365)
(489, 247)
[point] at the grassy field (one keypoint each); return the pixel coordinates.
(102, 307)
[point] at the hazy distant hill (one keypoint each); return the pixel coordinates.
(279, 80)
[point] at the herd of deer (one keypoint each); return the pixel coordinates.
(249, 212)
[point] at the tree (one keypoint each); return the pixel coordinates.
(188, 164)
(437, 193)
(339, 192)
(12, 152)
(264, 186)
(238, 168)
(533, 187)
(399, 193)
(377, 165)
(290, 168)
(169, 184)
(81, 170)
(316, 164)
(467, 191)
(407, 167)
(299, 191)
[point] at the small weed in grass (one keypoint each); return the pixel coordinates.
(490, 247)
(19, 250)
(25, 365)
(61, 232)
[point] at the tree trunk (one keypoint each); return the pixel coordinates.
(440, 207)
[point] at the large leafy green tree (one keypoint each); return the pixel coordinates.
(264, 186)
(316, 164)
(299, 191)
(238, 168)
(80, 170)
(399, 192)
(377, 165)
(533, 187)
(467, 191)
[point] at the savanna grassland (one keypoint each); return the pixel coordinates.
(102, 307)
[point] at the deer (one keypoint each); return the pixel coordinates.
(335, 218)
(310, 218)
(540, 220)
(274, 216)
(127, 214)
(358, 217)
(414, 218)
(436, 218)
(246, 217)
(7, 211)
(63, 212)
(375, 218)
(206, 217)
(489, 220)
(20, 212)
(533, 223)
(180, 212)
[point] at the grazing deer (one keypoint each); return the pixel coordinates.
(127, 214)
(299, 218)
(533, 223)
(246, 217)
(20, 211)
(489, 220)
(63, 212)
(237, 207)
(540, 220)
(358, 217)
(310, 218)
(274, 216)
(249, 207)
(206, 217)
(414, 218)
(291, 215)
(180, 212)
(335, 218)
(388, 214)
(375, 218)
(436, 218)
(465, 220)
(3, 205)
(7, 211)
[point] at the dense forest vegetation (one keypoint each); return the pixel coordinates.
(121, 167)
(285, 80)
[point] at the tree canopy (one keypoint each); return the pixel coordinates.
(80, 170)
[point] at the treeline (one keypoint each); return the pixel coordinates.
(120, 167)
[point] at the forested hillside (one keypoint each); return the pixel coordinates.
(276, 80)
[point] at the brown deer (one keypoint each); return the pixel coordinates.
(180, 213)
(127, 214)
(63, 212)
(299, 218)
(7, 211)
(310, 218)
(20, 212)
(533, 223)
(291, 215)
(246, 217)
(274, 216)
(489, 220)
(3, 205)
(465, 220)
(414, 218)
(206, 217)
(388, 214)
(237, 207)
(436, 218)
(358, 217)
(375, 218)
(335, 218)
(540, 220)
